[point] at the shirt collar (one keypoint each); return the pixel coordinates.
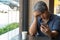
(50, 18)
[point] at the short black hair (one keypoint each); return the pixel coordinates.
(40, 6)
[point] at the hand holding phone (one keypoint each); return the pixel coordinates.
(44, 24)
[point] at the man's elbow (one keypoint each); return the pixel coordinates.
(54, 34)
(31, 33)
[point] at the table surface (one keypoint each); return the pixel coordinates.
(36, 38)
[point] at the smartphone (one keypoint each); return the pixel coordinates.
(44, 24)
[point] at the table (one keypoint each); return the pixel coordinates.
(31, 38)
(36, 38)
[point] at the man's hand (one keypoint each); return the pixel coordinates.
(45, 30)
(36, 13)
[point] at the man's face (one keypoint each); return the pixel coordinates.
(42, 15)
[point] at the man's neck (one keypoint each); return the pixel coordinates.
(45, 20)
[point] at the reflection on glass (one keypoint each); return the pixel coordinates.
(9, 19)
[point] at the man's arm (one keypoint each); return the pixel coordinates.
(33, 27)
(54, 34)
(46, 31)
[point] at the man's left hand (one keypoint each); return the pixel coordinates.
(46, 30)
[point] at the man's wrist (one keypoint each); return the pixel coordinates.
(49, 34)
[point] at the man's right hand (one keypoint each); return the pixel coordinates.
(36, 14)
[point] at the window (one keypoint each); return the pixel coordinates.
(9, 19)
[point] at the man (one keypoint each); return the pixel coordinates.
(44, 23)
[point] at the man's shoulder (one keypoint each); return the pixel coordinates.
(57, 18)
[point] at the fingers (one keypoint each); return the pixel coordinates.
(43, 28)
(36, 14)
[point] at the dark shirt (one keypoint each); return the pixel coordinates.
(53, 23)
